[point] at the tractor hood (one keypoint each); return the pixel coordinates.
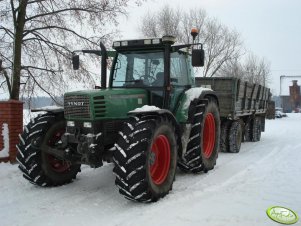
(101, 104)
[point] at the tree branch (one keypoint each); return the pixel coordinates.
(47, 42)
(40, 68)
(35, 1)
(41, 87)
(6, 78)
(26, 32)
(64, 10)
(7, 31)
(13, 12)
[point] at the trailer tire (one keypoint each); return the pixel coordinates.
(235, 137)
(146, 158)
(256, 130)
(204, 139)
(37, 166)
(248, 133)
(224, 140)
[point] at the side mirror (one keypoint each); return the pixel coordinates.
(198, 57)
(75, 62)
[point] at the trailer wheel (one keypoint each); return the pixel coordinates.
(248, 133)
(235, 137)
(146, 158)
(37, 166)
(203, 144)
(224, 141)
(256, 130)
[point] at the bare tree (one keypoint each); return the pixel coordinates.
(194, 18)
(253, 69)
(165, 22)
(38, 36)
(221, 43)
(232, 68)
(256, 70)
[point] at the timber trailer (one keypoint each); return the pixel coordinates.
(150, 119)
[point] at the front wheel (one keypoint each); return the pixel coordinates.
(37, 166)
(146, 157)
(203, 145)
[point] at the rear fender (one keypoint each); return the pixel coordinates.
(50, 109)
(183, 111)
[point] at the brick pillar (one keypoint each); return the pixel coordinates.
(11, 123)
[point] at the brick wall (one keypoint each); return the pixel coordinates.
(11, 113)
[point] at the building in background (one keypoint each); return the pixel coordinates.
(292, 103)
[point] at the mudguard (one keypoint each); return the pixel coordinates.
(156, 112)
(169, 114)
(182, 112)
(51, 109)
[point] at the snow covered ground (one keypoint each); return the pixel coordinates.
(237, 192)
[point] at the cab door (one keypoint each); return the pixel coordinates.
(179, 78)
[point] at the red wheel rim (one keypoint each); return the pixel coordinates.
(57, 165)
(159, 159)
(209, 135)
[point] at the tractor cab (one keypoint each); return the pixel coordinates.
(155, 65)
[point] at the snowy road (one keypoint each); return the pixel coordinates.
(237, 192)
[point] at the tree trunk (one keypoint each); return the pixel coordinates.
(19, 28)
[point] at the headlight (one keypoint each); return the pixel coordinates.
(156, 41)
(147, 41)
(124, 43)
(116, 44)
(87, 124)
(70, 123)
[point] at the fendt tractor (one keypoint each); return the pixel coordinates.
(152, 117)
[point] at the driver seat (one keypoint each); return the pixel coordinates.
(159, 79)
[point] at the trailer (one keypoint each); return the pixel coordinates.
(243, 107)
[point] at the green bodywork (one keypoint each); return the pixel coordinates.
(116, 103)
(181, 113)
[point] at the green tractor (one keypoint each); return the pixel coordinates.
(150, 119)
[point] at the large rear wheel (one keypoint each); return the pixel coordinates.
(203, 145)
(146, 157)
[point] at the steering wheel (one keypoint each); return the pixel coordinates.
(147, 79)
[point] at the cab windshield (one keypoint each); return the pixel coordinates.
(139, 69)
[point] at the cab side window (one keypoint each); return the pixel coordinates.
(178, 69)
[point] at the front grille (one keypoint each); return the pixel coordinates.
(99, 106)
(77, 106)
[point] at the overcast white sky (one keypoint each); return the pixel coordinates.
(270, 28)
